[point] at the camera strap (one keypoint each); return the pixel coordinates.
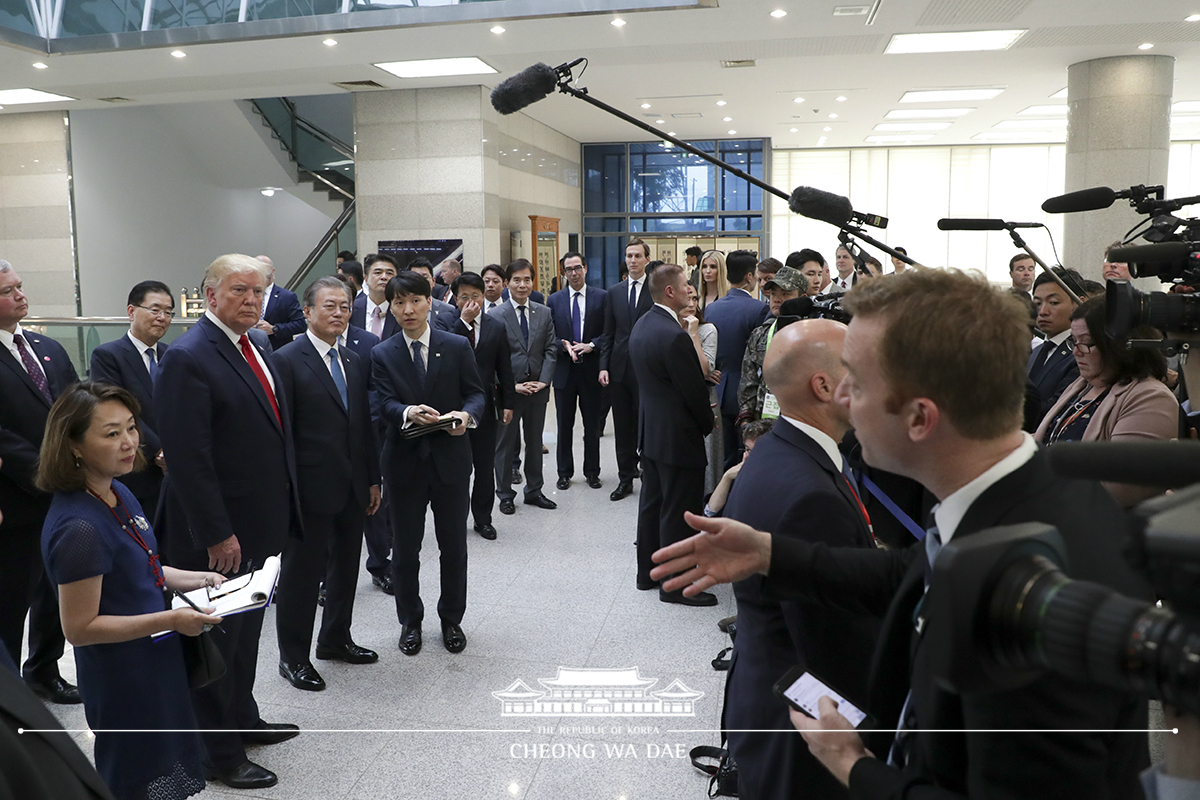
(907, 521)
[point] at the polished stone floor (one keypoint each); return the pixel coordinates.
(556, 589)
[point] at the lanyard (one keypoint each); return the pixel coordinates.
(861, 507)
(129, 528)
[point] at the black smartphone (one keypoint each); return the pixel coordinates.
(802, 690)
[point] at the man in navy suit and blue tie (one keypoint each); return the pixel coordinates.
(579, 327)
(34, 370)
(281, 319)
(131, 362)
(420, 376)
(230, 494)
(1052, 366)
(338, 469)
(627, 302)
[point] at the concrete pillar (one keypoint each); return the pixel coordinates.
(1118, 135)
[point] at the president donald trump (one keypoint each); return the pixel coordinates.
(230, 492)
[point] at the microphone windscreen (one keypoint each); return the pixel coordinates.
(951, 224)
(1168, 464)
(524, 89)
(825, 206)
(1083, 200)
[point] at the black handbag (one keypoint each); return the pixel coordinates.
(722, 776)
(202, 659)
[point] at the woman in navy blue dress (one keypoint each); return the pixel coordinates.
(101, 553)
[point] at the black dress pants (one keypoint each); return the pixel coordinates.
(377, 529)
(483, 457)
(25, 590)
(449, 502)
(228, 704)
(577, 393)
(667, 491)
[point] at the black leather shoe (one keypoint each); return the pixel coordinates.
(247, 776)
(595, 482)
(302, 676)
(486, 529)
(516, 477)
(349, 653)
(563, 484)
(453, 637)
(384, 582)
(623, 490)
(701, 599)
(646, 584)
(540, 500)
(410, 640)
(508, 507)
(271, 733)
(56, 690)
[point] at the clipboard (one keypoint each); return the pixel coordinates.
(244, 593)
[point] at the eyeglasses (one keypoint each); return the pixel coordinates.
(1083, 347)
(156, 311)
(573, 269)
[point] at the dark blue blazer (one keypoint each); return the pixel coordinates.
(736, 315)
(336, 459)
(358, 319)
(493, 359)
(120, 363)
(284, 314)
(23, 412)
(587, 369)
(444, 316)
(1053, 377)
(361, 341)
(232, 466)
(451, 384)
(673, 411)
(614, 352)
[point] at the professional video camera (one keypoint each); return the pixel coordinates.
(1012, 614)
(806, 308)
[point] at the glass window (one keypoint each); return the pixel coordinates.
(670, 224)
(749, 223)
(604, 178)
(664, 179)
(107, 16)
(605, 255)
(604, 224)
(738, 194)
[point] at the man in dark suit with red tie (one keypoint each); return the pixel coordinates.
(674, 417)
(326, 389)
(34, 370)
(131, 362)
(420, 375)
(579, 312)
(230, 494)
(627, 302)
(494, 362)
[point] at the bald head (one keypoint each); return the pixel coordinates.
(803, 367)
(270, 267)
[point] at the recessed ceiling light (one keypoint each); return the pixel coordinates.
(618, 23)
(827, 129)
(912, 126)
(1043, 111)
(268, 192)
(950, 95)
(484, 140)
(720, 102)
(927, 113)
(1145, 46)
(329, 42)
(840, 99)
(1192, 18)
(731, 133)
(952, 42)
(798, 100)
(659, 121)
(178, 54)
(1185, 105)
(16, 97)
(727, 119)
(833, 116)
(497, 29)
(778, 13)
(39, 65)
(793, 130)
(1031, 124)
(916, 137)
(670, 133)
(436, 67)
(645, 105)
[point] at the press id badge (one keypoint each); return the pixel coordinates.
(770, 407)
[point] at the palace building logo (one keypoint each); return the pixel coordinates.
(598, 693)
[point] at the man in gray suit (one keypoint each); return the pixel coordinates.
(534, 347)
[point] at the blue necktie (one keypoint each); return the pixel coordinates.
(524, 325)
(576, 319)
(632, 299)
(339, 380)
(152, 365)
(418, 362)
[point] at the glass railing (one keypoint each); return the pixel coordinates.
(322, 261)
(81, 335)
(325, 158)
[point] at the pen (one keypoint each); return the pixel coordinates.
(188, 600)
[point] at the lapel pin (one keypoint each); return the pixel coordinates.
(45, 358)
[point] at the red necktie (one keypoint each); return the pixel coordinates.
(471, 335)
(262, 376)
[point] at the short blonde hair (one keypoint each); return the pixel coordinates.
(232, 264)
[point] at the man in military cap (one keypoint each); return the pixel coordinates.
(754, 401)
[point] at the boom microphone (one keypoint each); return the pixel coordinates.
(825, 206)
(954, 224)
(524, 89)
(1167, 464)
(1083, 200)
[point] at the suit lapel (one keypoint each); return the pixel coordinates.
(137, 364)
(510, 320)
(230, 352)
(17, 367)
(43, 358)
(317, 364)
(433, 360)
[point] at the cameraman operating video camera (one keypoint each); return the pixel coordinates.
(935, 385)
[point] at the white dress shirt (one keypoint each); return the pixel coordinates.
(950, 512)
(144, 349)
(571, 293)
(236, 339)
(670, 311)
(266, 299)
(636, 289)
(373, 309)
(823, 439)
(323, 347)
(473, 325)
(10, 344)
(408, 343)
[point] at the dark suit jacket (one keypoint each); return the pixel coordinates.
(444, 315)
(358, 319)
(493, 359)
(23, 413)
(614, 353)
(451, 384)
(985, 765)
(361, 341)
(1055, 375)
(673, 411)
(120, 363)
(587, 369)
(735, 315)
(233, 468)
(336, 459)
(285, 315)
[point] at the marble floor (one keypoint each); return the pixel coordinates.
(556, 589)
